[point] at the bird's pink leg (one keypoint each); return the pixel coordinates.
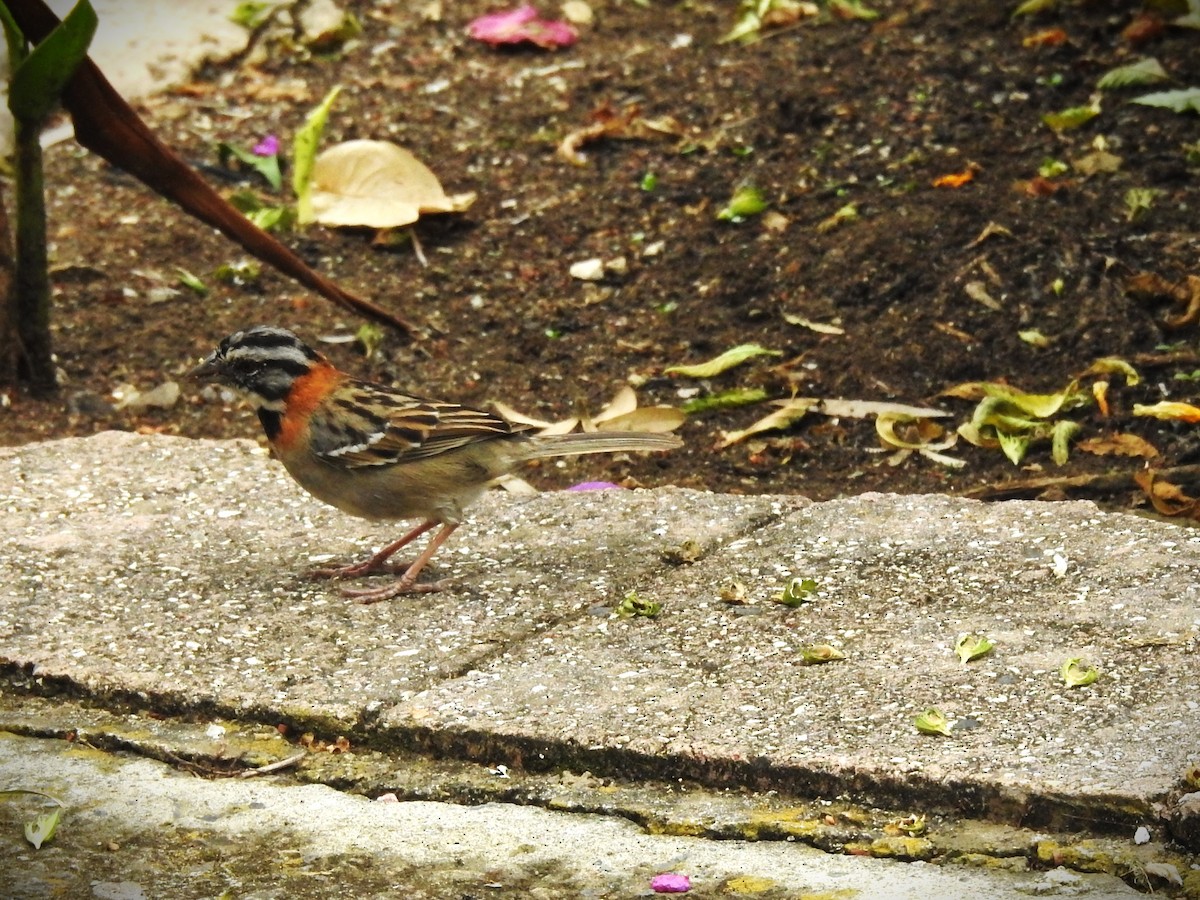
(407, 583)
(377, 563)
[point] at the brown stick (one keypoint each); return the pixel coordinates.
(108, 126)
(1106, 483)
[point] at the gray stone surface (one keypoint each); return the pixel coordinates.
(899, 578)
(177, 836)
(162, 574)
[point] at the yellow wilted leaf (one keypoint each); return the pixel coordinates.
(727, 360)
(1041, 406)
(656, 419)
(1183, 412)
(789, 411)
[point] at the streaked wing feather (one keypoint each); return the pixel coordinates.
(376, 426)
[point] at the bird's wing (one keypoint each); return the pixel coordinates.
(372, 425)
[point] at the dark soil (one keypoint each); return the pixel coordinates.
(817, 116)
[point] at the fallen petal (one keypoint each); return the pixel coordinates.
(522, 25)
(670, 883)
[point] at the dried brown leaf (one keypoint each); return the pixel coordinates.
(1120, 444)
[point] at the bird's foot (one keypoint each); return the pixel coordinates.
(395, 589)
(372, 566)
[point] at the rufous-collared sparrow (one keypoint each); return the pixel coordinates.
(379, 453)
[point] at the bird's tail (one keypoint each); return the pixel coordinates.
(541, 446)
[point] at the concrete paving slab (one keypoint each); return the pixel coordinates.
(186, 582)
(708, 689)
(181, 837)
(178, 591)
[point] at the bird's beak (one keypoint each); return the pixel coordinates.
(209, 369)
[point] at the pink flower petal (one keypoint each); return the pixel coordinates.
(268, 146)
(670, 883)
(519, 26)
(594, 486)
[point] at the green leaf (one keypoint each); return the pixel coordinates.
(1179, 101)
(1014, 446)
(266, 166)
(1060, 440)
(852, 9)
(841, 216)
(725, 400)
(1139, 201)
(1034, 337)
(1144, 71)
(43, 827)
(251, 14)
(1114, 365)
(370, 336)
(1029, 7)
(39, 80)
(1075, 673)
(192, 282)
(746, 201)
(266, 216)
(933, 721)
(18, 47)
(972, 646)
(719, 364)
(1052, 168)
(633, 605)
(797, 591)
(1040, 406)
(304, 153)
(1070, 118)
(815, 654)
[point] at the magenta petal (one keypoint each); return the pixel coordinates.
(521, 25)
(502, 27)
(551, 35)
(670, 883)
(594, 486)
(268, 146)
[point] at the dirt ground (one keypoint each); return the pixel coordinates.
(931, 286)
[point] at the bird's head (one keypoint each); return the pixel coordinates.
(261, 363)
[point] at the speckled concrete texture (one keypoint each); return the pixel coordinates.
(166, 575)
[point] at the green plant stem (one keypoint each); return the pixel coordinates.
(32, 279)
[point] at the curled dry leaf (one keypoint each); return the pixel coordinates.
(789, 411)
(620, 414)
(792, 410)
(627, 124)
(1120, 444)
(377, 184)
(1168, 499)
(819, 327)
(906, 434)
(1153, 287)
